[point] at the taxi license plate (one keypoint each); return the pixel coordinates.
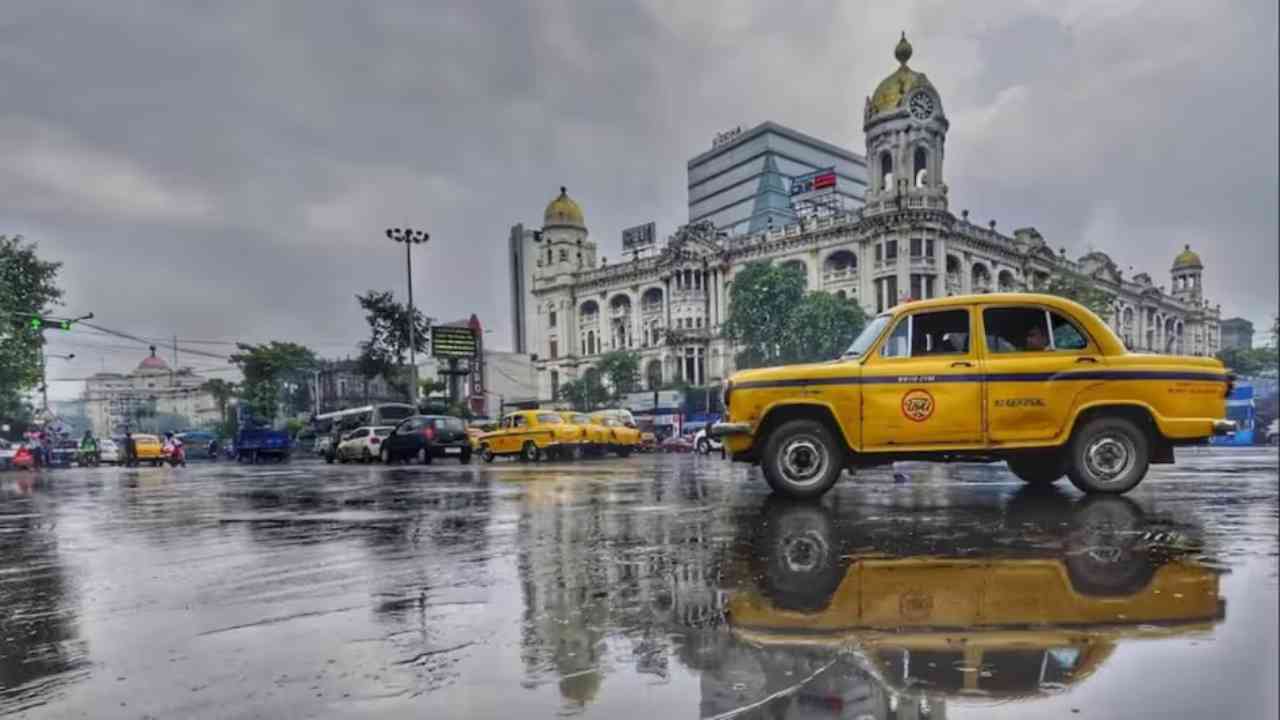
(452, 450)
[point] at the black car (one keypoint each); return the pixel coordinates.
(425, 437)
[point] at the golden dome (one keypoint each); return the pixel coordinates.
(1187, 259)
(892, 90)
(563, 211)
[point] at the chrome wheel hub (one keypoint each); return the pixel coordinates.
(803, 460)
(1109, 457)
(804, 553)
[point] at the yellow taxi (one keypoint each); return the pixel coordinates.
(623, 439)
(477, 430)
(1035, 380)
(596, 437)
(532, 435)
(148, 448)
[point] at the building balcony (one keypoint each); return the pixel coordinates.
(840, 277)
(620, 313)
(924, 262)
(651, 309)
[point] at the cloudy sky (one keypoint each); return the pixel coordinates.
(219, 173)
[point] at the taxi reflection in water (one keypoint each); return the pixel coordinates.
(913, 628)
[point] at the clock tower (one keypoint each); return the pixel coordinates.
(906, 132)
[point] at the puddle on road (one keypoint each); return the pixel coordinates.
(622, 589)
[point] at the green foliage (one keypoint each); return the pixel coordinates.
(621, 369)
(387, 349)
(222, 392)
(1253, 362)
(820, 328)
(761, 299)
(293, 426)
(1074, 286)
(266, 369)
(586, 393)
(27, 286)
(431, 387)
(774, 322)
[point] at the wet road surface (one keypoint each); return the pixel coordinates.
(657, 586)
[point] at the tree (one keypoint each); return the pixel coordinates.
(27, 288)
(222, 392)
(820, 328)
(761, 300)
(1074, 286)
(387, 348)
(621, 368)
(266, 368)
(1251, 362)
(586, 393)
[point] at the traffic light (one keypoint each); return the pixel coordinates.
(39, 323)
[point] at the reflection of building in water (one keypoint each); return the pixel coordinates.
(39, 648)
(594, 563)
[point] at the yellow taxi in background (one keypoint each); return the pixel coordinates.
(533, 435)
(1038, 381)
(596, 436)
(148, 448)
(477, 430)
(622, 439)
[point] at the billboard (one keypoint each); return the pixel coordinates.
(640, 236)
(815, 184)
(451, 341)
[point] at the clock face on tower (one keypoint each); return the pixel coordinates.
(921, 106)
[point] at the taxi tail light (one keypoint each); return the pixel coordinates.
(374, 440)
(429, 433)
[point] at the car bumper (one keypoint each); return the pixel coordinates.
(1224, 427)
(725, 429)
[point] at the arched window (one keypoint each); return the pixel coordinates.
(886, 170)
(920, 166)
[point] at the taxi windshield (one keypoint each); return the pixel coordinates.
(867, 336)
(580, 419)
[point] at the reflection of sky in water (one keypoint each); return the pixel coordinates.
(485, 592)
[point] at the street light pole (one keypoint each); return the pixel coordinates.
(410, 237)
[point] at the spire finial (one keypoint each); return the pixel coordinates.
(563, 191)
(903, 51)
(153, 351)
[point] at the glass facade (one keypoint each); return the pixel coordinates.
(727, 184)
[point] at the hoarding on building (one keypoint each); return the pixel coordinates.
(640, 236)
(814, 185)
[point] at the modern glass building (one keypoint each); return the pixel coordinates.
(742, 184)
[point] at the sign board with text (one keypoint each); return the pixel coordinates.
(453, 342)
(640, 236)
(812, 185)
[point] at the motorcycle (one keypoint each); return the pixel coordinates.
(175, 455)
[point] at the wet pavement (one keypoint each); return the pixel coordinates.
(657, 586)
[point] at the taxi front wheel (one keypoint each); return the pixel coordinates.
(802, 459)
(1108, 455)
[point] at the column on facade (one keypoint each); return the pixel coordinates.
(903, 269)
(637, 321)
(966, 276)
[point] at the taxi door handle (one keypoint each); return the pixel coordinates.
(1087, 360)
(961, 363)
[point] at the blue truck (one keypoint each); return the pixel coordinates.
(258, 442)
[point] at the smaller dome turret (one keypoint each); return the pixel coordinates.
(563, 211)
(1187, 259)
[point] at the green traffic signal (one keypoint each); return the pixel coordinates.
(38, 323)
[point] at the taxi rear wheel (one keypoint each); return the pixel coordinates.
(486, 453)
(802, 459)
(1108, 455)
(530, 452)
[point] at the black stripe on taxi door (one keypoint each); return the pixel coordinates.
(981, 377)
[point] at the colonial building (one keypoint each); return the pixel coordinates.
(902, 243)
(115, 402)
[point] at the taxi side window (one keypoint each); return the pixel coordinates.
(929, 333)
(1066, 336)
(518, 421)
(1020, 329)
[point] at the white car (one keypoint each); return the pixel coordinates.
(7, 451)
(108, 451)
(1273, 432)
(704, 443)
(362, 444)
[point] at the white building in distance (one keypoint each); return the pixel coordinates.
(112, 400)
(903, 243)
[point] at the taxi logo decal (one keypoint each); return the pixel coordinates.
(915, 605)
(917, 405)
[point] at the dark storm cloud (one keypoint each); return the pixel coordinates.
(218, 172)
